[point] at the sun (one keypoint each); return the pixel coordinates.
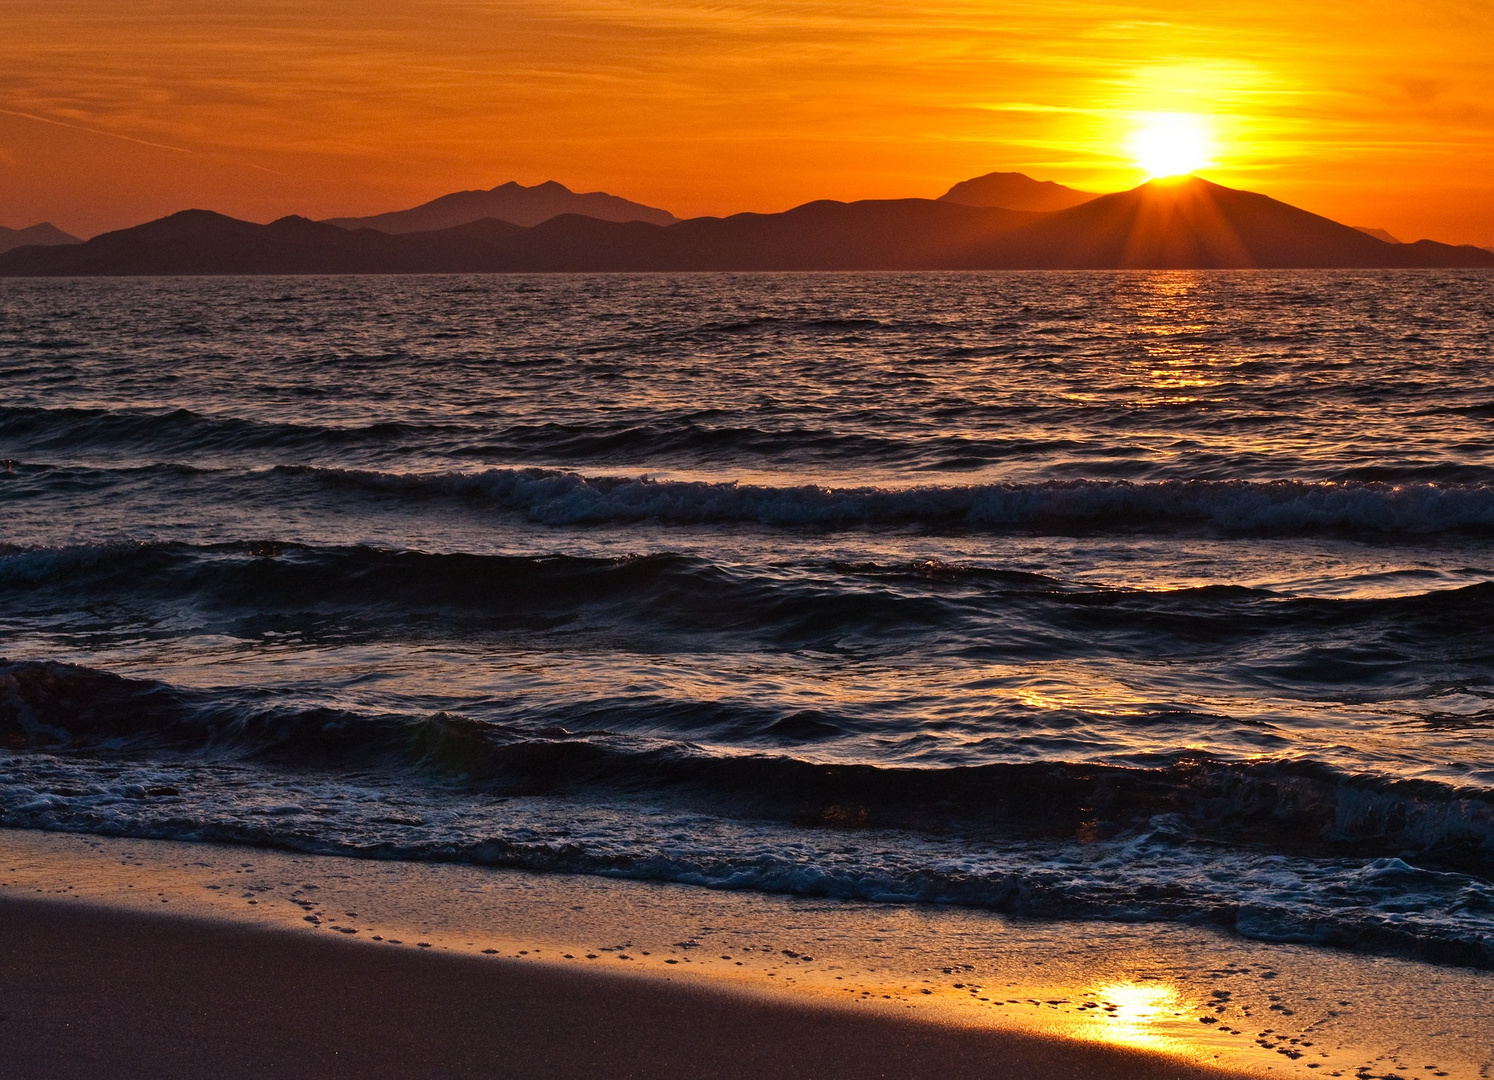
(1171, 144)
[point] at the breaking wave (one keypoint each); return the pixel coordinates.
(1295, 851)
(1230, 506)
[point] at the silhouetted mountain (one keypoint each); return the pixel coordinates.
(46, 234)
(1189, 224)
(1378, 234)
(509, 202)
(202, 242)
(1195, 224)
(1015, 191)
(823, 235)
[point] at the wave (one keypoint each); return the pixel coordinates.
(185, 433)
(1228, 506)
(975, 611)
(706, 438)
(1277, 850)
(690, 440)
(377, 591)
(1285, 805)
(695, 437)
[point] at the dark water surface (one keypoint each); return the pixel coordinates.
(1122, 596)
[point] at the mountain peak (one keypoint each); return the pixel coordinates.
(511, 202)
(1193, 223)
(1015, 191)
(1173, 186)
(44, 234)
(1378, 234)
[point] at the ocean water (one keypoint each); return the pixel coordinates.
(1114, 596)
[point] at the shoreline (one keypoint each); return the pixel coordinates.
(1183, 998)
(98, 991)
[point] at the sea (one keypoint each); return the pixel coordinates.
(1118, 596)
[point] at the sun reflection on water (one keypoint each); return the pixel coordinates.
(1133, 1013)
(1135, 1003)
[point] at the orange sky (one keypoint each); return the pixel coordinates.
(1375, 112)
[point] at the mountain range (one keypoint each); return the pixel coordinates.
(46, 234)
(1173, 224)
(511, 202)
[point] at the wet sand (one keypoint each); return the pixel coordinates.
(93, 991)
(180, 951)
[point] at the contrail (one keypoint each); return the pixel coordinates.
(94, 131)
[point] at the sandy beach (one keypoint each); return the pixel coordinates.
(126, 958)
(92, 991)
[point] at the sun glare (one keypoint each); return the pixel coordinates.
(1135, 1013)
(1171, 144)
(1136, 1003)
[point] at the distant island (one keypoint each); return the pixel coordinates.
(1165, 224)
(1378, 234)
(511, 202)
(45, 235)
